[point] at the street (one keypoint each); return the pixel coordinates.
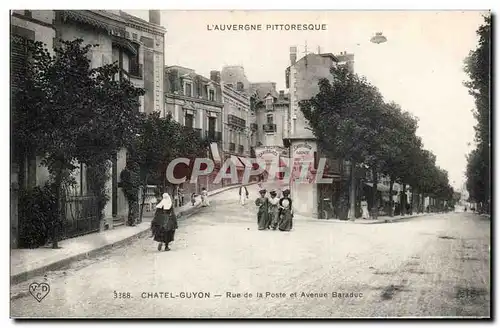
(429, 266)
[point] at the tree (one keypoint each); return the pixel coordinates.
(159, 141)
(478, 68)
(346, 117)
(69, 112)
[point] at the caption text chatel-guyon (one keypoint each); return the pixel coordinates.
(237, 295)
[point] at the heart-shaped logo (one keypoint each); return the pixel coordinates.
(39, 290)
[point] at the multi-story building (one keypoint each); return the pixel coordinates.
(136, 45)
(271, 112)
(196, 102)
(26, 25)
(302, 77)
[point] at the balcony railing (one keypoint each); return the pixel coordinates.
(236, 121)
(269, 127)
(241, 149)
(213, 136)
(232, 146)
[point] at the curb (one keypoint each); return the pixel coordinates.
(21, 277)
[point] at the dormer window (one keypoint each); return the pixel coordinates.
(269, 103)
(211, 95)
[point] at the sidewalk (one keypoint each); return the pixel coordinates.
(381, 219)
(28, 263)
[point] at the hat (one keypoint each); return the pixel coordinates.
(273, 193)
(286, 191)
(262, 191)
(166, 202)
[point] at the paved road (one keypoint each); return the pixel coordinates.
(428, 266)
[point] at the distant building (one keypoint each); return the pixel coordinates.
(302, 79)
(196, 102)
(234, 77)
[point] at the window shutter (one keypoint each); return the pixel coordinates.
(18, 58)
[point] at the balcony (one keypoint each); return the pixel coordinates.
(232, 147)
(214, 136)
(254, 126)
(236, 121)
(269, 128)
(241, 149)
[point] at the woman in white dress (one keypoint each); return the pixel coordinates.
(365, 214)
(243, 195)
(204, 198)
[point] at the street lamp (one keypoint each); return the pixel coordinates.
(378, 38)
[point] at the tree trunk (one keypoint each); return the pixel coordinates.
(403, 199)
(391, 200)
(352, 194)
(374, 195)
(57, 215)
(144, 189)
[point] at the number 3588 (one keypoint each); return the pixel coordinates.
(121, 294)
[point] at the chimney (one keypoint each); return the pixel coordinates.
(282, 95)
(293, 55)
(215, 76)
(155, 17)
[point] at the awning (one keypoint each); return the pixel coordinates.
(245, 161)
(237, 162)
(214, 149)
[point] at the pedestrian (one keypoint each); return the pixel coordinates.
(243, 195)
(262, 215)
(204, 197)
(164, 222)
(273, 210)
(365, 214)
(286, 212)
(176, 197)
(193, 199)
(181, 196)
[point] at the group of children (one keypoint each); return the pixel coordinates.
(274, 213)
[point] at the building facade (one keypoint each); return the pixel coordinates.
(26, 25)
(302, 77)
(196, 102)
(135, 45)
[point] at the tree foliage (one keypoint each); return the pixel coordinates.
(352, 121)
(478, 68)
(68, 112)
(159, 141)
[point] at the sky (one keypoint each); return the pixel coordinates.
(420, 67)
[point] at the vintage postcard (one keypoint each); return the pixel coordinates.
(250, 164)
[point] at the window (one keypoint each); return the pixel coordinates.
(189, 120)
(135, 68)
(270, 119)
(18, 58)
(211, 94)
(269, 103)
(188, 90)
(134, 36)
(239, 86)
(211, 127)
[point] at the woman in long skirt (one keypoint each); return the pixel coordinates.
(243, 195)
(286, 212)
(263, 213)
(164, 222)
(204, 198)
(273, 210)
(365, 214)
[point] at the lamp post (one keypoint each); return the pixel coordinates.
(378, 38)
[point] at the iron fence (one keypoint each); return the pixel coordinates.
(80, 216)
